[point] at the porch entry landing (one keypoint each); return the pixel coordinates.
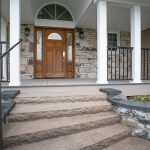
(70, 82)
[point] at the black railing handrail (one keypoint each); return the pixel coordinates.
(5, 53)
(1, 124)
(116, 57)
(146, 49)
(121, 47)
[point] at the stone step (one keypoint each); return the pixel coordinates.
(131, 143)
(31, 131)
(23, 112)
(94, 139)
(59, 98)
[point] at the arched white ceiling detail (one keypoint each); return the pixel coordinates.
(84, 12)
(53, 3)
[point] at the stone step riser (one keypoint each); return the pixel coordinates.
(18, 117)
(109, 141)
(38, 100)
(53, 133)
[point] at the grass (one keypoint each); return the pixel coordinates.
(140, 98)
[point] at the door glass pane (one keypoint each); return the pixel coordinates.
(39, 46)
(54, 36)
(69, 47)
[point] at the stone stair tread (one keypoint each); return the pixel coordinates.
(130, 143)
(35, 94)
(79, 140)
(18, 128)
(26, 108)
(23, 99)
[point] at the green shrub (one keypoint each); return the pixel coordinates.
(141, 98)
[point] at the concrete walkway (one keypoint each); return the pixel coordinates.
(131, 143)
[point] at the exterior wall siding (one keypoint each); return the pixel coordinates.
(85, 52)
(27, 53)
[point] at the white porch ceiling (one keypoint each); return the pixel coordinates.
(84, 13)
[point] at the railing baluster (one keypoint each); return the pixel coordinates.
(115, 62)
(147, 64)
(127, 63)
(111, 63)
(123, 63)
(119, 62)
(131, 64)
(1, 59)
(1, 124)
(118, 66)
(144, 65)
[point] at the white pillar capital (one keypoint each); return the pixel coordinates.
(136, 43)
(14, 38)
(102, 42)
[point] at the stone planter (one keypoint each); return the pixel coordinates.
(133, 114)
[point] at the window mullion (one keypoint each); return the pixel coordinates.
(61, 14)
(48, 13)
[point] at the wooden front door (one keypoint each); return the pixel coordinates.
(54, 53)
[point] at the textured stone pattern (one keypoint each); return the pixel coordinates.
(55, 113)
(125, 39)
(86, 54)
(138, 120)
(27, 52)
(60, 99)
(56, 132)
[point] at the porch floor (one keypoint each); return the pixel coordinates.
(48, 86)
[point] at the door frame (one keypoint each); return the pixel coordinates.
(38, 73)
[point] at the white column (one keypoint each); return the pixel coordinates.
(102, 42)
(14, 38)
(136, 43)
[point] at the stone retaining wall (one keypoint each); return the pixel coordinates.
(133, 114)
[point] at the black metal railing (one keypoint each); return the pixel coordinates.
(1, 106)
(119, 63)
(4, 74)
(145, 63)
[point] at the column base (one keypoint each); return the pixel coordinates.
(14, 83)
(101, 82)
(136, 81)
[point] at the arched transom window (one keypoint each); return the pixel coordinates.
(54, 12)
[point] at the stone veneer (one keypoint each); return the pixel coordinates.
(133, 114)
(85, 53)
(27, 52)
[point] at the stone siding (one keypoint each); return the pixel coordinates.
(27, 52)
(86, 54)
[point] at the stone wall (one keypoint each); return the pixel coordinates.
(145, 44)
(133, 114)
(27, 52)
(125, 39)
(86, 54)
